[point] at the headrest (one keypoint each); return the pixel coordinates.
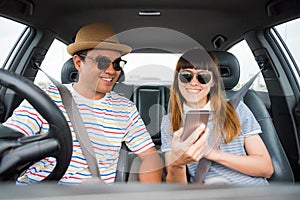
(69, 73)
(229, 68)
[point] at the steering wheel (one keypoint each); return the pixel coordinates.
(18, 152)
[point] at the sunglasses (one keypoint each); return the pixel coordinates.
(103, 62)
(202, 77)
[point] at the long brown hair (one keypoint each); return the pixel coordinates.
(225, 117)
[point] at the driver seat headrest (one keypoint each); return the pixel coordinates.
(229, 68)
(69, 73)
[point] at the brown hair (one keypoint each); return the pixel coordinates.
(225, 116)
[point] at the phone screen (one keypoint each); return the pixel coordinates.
(193, 120)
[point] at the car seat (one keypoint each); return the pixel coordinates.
(152, 103)
(230, 73)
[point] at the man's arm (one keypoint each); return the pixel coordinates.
(151, 166)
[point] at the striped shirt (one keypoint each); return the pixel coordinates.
(249, 127)
(108, 121)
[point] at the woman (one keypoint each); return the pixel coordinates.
(237, 152)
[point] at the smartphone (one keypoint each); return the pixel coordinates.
(193, 120)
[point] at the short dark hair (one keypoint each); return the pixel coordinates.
(82, 52)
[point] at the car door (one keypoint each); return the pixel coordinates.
(276, 52)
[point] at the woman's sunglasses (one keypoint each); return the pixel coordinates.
(103, 62)
(187, 76)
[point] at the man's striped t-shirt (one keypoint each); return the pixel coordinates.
(108, 121)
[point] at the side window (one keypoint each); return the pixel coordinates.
(56, 56)
(289, 36)
(10, 33)
(248, 67)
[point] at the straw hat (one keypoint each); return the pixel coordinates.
(97, 35)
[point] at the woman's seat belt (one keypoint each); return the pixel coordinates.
(204, 164)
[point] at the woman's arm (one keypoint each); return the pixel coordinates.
(256, 163)
(183, 153)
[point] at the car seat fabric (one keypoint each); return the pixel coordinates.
(69, 73)
(152, 102)
(229, 69)
(282, 168)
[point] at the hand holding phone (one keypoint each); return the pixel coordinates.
(193, 119)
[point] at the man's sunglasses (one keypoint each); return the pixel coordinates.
(103, 62)
(187, 76)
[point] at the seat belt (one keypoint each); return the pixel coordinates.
(78, 126)
(204, 164)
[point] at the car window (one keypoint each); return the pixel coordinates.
(52, 64)
(248, 66)
(289, 36)
(10, 33)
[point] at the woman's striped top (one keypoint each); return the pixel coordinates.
(249, 127)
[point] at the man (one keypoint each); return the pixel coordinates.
(108, 117)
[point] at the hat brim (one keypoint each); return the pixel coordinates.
(78, 46)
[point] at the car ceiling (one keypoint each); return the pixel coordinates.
(201, 20)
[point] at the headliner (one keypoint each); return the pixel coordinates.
(201, 20)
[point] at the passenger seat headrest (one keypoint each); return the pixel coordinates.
(69, 73)
(229, 68)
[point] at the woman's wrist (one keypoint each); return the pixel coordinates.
(213, 155)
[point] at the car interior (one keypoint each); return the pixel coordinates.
(152, 27)
(153, 100)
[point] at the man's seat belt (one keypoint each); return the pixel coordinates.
(78, 126)
(204, 164)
